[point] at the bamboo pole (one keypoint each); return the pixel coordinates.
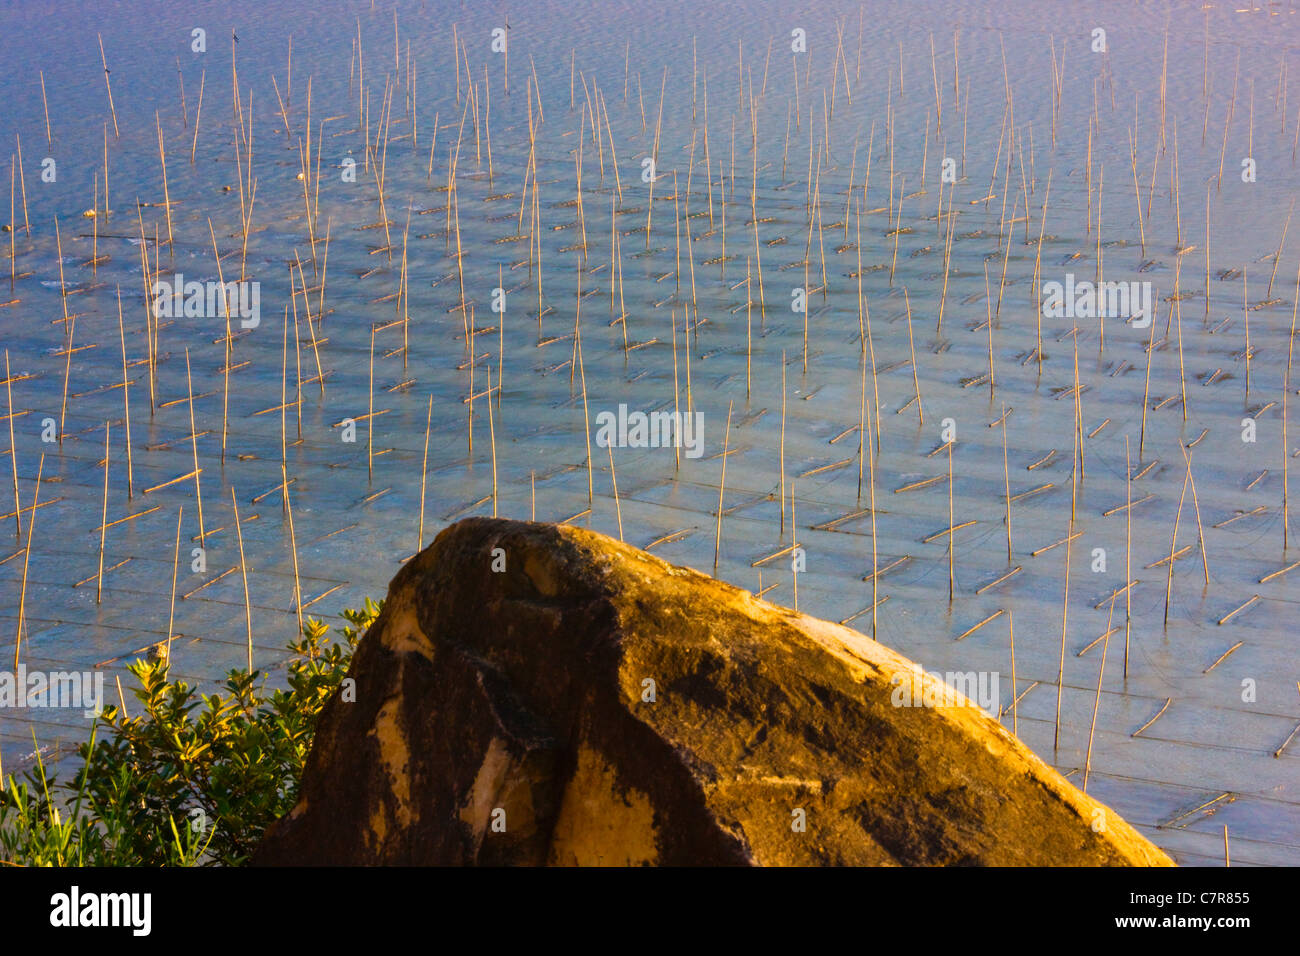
(225, 389)
(1146, 390)
(424, 471)
(151, 337)
(613, 476)
(1015, 700)
(1096, 705)
(13, 450)
(284, 371)
(49, 140)
(243, 571)
(108, 85)
(194, 439)
(1128, 553)
(171, 611)
(1065, 604)
(586, 414)
(320, 305)
(862, 400)
(749, 338)
(677, 410)
(1207, 252)
(103, 523)
(1006, 479)
(27, 556)
(70, 325)
(492, 437)
(22, 185)
(875, 562)
(722, 483)
(94, 228)
(1245, 314)
(1038, 259)
(1196, 506)
(988, 321)
(916, 382)
(167, 201)
(293, 547)
(311, 329)
(1169, 583)
(781, 452)
(370, 410)
(871, 347)
(1286, 470)
(194, 145)
(794, 545)
(898, 227)
(951, 552)
(13, 254)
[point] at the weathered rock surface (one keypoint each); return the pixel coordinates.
(516, 698)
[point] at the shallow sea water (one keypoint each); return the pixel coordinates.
(1207, 762)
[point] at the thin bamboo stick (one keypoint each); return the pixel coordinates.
(794, 546)
(1146, 390)
(293, 547)
(952, 555)
(13, 254)
(370, 409)
(1065, 611)
(1006, 478)
(1286, 471)
(492, 438)
(875, 563)
(103, 522)
(1173, 541)
(863, 437)
(27, 556)
(171, 611)
(49, 140)
(13, 450)
(781, 452)
(22, 185)
(749, 339)
(916, 382)
(1015, 701)
(162, 160)
(194, 145)
(722, 483)
(108, 85)
(613, 476)
(586, 414)
(1096, 705)
(424, 472)
(1128, 552)
(194, 439)
(243, 571)
(1196, 505)
(225, 388)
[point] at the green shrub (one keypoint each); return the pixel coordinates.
(193, 779)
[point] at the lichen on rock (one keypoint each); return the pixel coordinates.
(591, 704)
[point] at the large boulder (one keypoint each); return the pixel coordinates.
(503, 715)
